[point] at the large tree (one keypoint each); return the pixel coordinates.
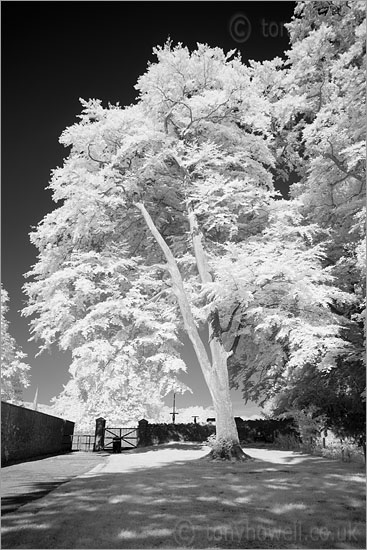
(165, 205)
(14, 371)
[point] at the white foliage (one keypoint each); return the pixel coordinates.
(14, 371)
(200, 137)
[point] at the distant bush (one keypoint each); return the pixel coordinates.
(248, 431)
(157, 434)
(264, 430)
(345, 450)
(287, 442)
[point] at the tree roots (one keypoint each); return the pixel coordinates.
(232, 452)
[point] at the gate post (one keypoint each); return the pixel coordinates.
(99, 434)
(143, 433)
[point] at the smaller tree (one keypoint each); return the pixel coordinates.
(14, 372)
(333, 395)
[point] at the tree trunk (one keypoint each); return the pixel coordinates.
(228, 445)
(215, 372)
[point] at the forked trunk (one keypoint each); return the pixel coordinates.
(227, 442)
(215, 372)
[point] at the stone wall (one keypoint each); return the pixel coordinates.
(26, 434)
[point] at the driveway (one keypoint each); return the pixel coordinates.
(27, 481)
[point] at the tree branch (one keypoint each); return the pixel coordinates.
(231, 318)
(340, 165)
(179, 290)
(101, 163)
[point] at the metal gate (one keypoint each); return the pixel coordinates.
(127, 436)
(83, 442)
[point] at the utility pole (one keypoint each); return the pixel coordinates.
(174, 413)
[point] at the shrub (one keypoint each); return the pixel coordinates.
(345, 450)
(158, 434)
(288, 442)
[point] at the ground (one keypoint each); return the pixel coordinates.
(32, 479)
(168, 497)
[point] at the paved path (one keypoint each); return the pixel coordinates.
(21, 483)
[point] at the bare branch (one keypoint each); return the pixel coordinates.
(101, 163)
(231, 318)
(339, 164)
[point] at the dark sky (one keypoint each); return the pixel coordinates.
(53, 53)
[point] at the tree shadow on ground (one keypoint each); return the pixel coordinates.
(12, 503)
(301, 502)
(32, 479)
(181, 446)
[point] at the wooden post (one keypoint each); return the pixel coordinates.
(99, 434)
